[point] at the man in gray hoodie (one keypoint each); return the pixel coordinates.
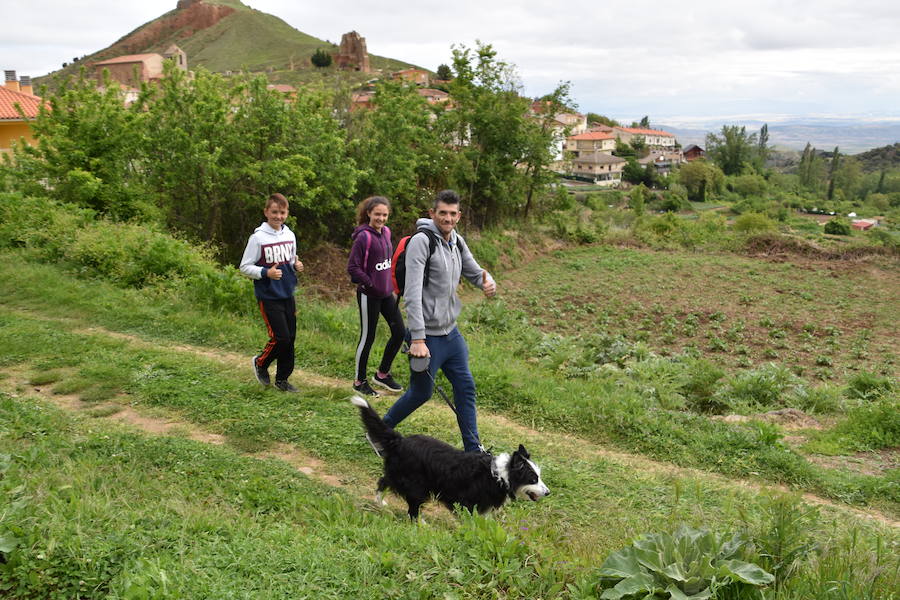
(431, 313)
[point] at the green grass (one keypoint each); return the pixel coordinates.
(137, 516)
(616, 405)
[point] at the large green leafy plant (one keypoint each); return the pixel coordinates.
(691, 563)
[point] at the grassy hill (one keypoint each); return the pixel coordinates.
(245, 39)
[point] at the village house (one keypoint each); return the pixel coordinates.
(416, 76)
(433, 96)
(131, 70)
(694, 152)
(655, 139)
(14, 95)
(591, 157)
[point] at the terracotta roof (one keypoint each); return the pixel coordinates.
(600, 159)
(128, 58)
(592, 135)
(639, 131)
(282, 87)
(9, 98)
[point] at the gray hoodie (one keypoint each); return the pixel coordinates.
(433, 309)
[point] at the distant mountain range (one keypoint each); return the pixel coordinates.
(851, 135)
(227, 35)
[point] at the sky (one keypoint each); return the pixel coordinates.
(678, 62)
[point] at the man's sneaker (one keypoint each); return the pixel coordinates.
(387, 382)
(285, 386)
(364, 388)
(262, 375)
(375, 446)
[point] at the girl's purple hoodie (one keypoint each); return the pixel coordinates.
(370, 261)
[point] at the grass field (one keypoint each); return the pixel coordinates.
(140, 460)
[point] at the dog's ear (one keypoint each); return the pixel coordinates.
(523, 452)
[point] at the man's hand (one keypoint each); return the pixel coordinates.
(488, 285)
(274, 273)
(298, 265)
(418, 349)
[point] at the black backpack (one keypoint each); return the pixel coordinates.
(398, 261)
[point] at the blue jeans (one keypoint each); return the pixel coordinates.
(450, 354)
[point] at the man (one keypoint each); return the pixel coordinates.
(431, 313)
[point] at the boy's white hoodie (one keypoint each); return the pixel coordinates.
(266, 248)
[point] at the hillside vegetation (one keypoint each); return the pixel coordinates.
(245, 39)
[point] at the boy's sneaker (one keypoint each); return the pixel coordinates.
(262, 375)
(375, 446)
(364, 388)
(285, 386)
(387, 382)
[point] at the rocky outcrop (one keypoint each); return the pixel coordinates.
(189, 17)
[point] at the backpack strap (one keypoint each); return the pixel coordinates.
(365, 264)
(432, 246)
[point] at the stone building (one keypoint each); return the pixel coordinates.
(352, 53)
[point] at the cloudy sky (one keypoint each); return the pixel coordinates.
(670, 60)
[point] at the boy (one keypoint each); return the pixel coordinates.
(270, 260)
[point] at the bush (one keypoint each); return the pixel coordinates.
(868, 386)
(869, 427)
(699, 385)
(762, 388)
(752, 222)
(837, 227)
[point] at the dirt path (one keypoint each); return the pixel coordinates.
(160, 423)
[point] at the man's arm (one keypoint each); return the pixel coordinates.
(473, 272)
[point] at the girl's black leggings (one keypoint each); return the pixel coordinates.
(369, 309)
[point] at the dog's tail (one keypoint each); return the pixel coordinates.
(379, 432)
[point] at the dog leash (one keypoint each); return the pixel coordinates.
(420, 364)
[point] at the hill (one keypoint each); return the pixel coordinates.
(886, 157)
(226, 35)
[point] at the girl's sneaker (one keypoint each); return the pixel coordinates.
(365, 389)
(387, 382)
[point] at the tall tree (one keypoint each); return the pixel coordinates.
(832, 171)
(762, 148)
(444, 72)
(810, 168)
(399, 154)
(733, 149)
(498, 143)
(86, 151)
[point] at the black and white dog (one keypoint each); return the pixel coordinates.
(419, 467)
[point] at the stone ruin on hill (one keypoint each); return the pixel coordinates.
(352, 53)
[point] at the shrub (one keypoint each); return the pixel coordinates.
(868, 386)
(761, 388)
(870, 426)
(753, 223)
(700, 382)
(748, 185)
(837, 227)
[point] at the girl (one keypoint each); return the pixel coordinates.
(370, 269)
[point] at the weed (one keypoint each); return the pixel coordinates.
(868, 386)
